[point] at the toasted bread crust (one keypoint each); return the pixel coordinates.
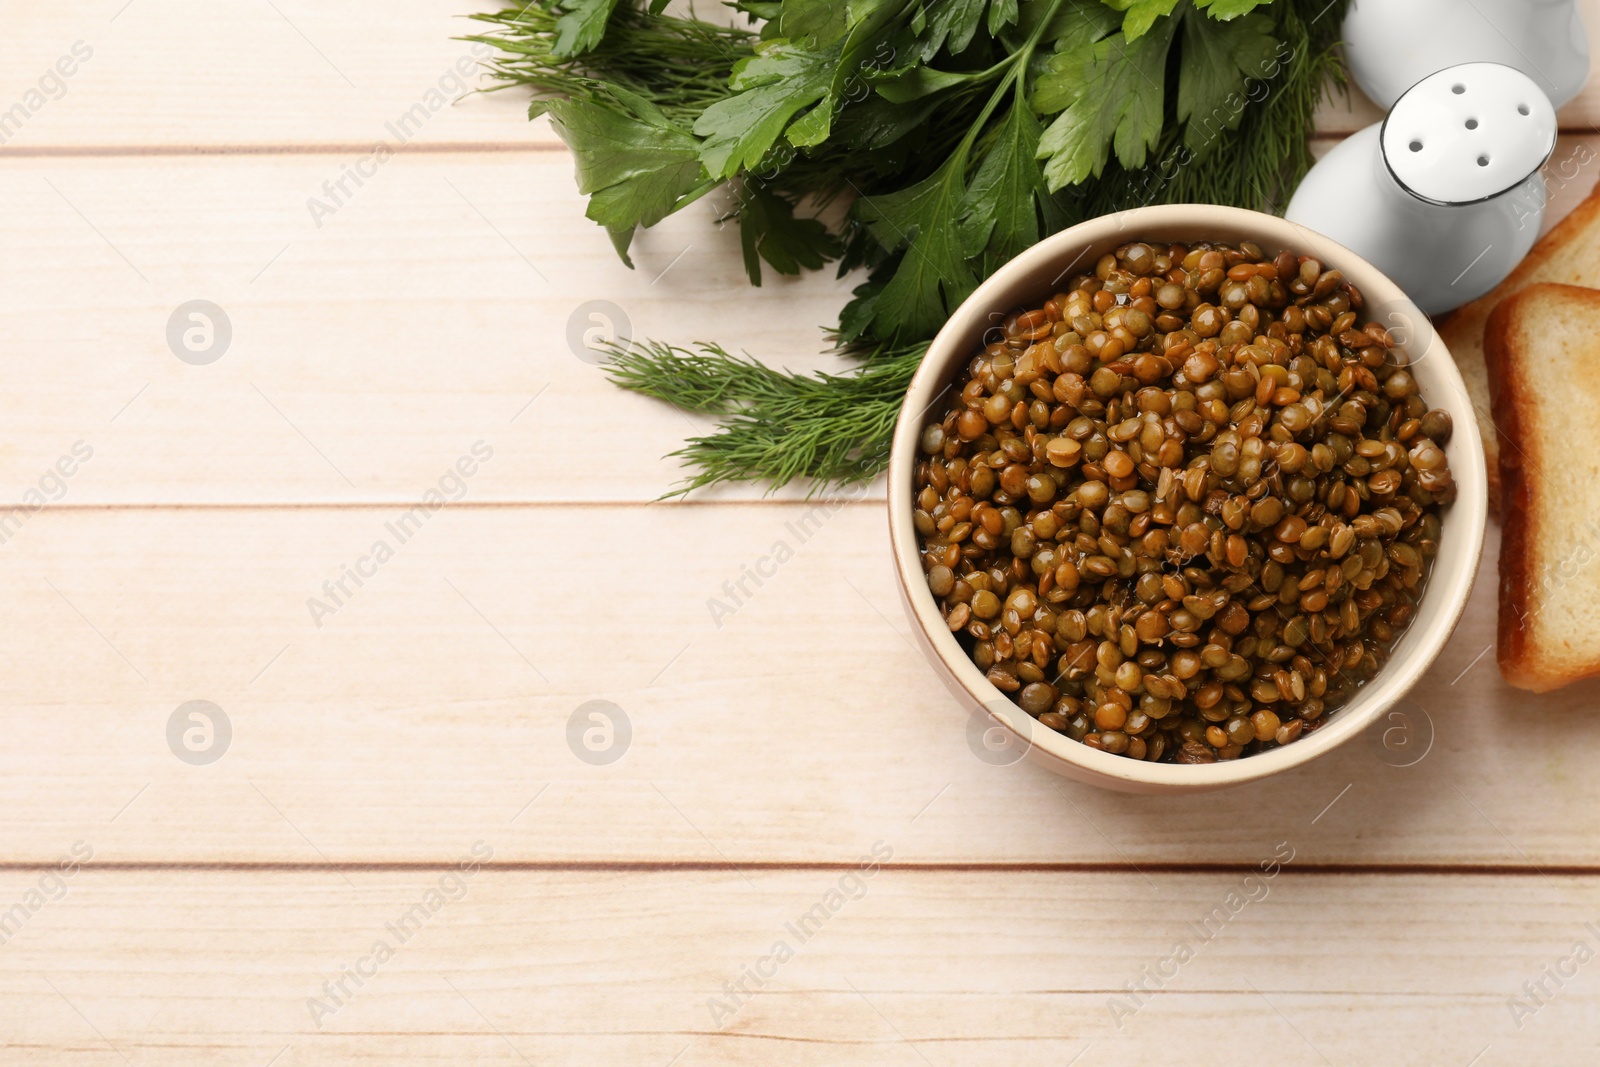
(1505, 392)
(1570, 228)
(1457, 328)
(1522, 660)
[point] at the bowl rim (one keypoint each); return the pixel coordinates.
(1419, 646)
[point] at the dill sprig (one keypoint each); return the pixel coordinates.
(775, 426)
(682, 65)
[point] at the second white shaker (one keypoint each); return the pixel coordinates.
(1445, 195)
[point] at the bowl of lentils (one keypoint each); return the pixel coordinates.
(1183, 497)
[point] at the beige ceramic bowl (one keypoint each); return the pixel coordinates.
(1028, 281)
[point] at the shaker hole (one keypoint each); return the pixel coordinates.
(1416, 146)
(1472, 124)
(1522, 109)
(1483, 161)
(1458, 88)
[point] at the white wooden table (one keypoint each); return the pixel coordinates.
(232, 911)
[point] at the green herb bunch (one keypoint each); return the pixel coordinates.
(959, 132)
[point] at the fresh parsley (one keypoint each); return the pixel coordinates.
(959, 132)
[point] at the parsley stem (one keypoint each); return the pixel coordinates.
(1016, 70)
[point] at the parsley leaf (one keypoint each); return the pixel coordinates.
(877, 123)
(636, 166)
(1112, 92)
(1141, 14)
(780, 81)
(919, 82)
(935, 273)
(1079, 20)
(1223, 10)
(952, 24)
(787, 78)
(813, 21)
(769, 230)
(1002, 13)
(1002, 205)
(581, 27)
(1075, 28)
(866, 51)
(821, 22)
(1218, 58)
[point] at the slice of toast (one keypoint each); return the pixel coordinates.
(1569, 254)
(1542, 349)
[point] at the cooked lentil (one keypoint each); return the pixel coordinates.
(1185, 508)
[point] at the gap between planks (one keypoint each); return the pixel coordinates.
(268, 149)
(454, 505)
(1177, 867)
(429, 148)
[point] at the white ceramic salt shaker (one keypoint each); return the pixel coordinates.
(1445, 195)
(1390, 45)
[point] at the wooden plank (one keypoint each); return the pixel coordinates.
(300, 73)
(438, 699)
(1344, 112)
(369, 347)
(433, 708)
(368, 351)
(185, 75)
(906, 968)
